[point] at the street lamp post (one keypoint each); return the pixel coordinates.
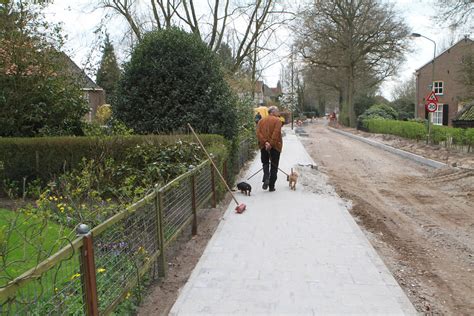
(432, 79)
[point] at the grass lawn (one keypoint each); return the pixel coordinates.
(25, 241)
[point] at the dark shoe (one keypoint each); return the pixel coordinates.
(265, 184)
(271, 189)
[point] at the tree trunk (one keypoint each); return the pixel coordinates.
(350, 97)
(341, 98)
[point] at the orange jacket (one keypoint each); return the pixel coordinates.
(269, 130)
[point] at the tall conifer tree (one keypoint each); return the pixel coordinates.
(108, 74)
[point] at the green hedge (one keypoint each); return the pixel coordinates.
(46, 157)
(418, 131)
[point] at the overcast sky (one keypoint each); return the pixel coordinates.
(79, 23)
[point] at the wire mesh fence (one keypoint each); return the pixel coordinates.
(245, 148)
(204, 185)
(54, 286)
(99, 269)
(124, 251)
(177, 205)
(245, 152)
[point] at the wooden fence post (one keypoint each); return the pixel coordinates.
(193, 203)
(88, 275)
(162, 265)
(213, 187)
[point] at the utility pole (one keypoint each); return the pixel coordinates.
(292, 87)
(432, 80)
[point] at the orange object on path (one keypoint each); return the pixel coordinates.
(240, 207)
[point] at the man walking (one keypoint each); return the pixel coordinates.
(270, 143)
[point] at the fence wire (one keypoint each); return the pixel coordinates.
(244, 152)
(125, 248)
(177, 206)
(57, 291)
(203, 185)
(122, 250)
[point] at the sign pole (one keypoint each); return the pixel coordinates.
(428, 141)
(431, 106)
(432, 92)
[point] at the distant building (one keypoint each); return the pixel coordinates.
(263, 94)
(465, 117)
(272, 94)
(258, 93)
(448, 85)
(93, 94)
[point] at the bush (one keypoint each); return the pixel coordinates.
(39, 93)
(94, 190)
(377, 111)
(245, 119)
(343, 117)
(46, 158)
(458, 136)
(113, 127)
(469, 136)
(173, 78)
(418, 131)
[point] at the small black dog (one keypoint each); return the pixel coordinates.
(244, 187)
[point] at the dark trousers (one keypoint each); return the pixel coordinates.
(270, 160)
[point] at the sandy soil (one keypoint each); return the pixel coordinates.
(420, 220)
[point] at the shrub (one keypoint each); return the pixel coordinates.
(104, 113)
(245, 118)
(377, 111)
(418, 131)
(469, 136)
(344, 117)
(440, 134)
(173, 78)
(48, 157)
(405, 129)
(113, 127)
(39, 93)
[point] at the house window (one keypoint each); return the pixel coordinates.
(437, 117)
(438, 87)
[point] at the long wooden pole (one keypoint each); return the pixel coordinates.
(212, 162)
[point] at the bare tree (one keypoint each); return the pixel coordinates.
(354, 37)
(404, 98)
(244, 24)
(126, 9)
(456, 12)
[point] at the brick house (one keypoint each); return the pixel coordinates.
(258, 93)
(447, 84)
(272, 94)
(93, 94)
(265, 95)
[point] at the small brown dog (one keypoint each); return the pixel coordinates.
(293, 178)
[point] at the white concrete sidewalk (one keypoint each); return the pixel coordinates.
(290, 252)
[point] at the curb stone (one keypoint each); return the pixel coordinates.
(396, 151)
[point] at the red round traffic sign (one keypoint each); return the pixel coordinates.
(431, 106)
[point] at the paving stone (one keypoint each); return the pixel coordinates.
(290, 253)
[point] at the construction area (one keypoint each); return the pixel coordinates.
(419, 219)
(365, 232)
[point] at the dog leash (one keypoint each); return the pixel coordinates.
(286, 174)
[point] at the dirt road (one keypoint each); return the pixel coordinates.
(420, 220)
